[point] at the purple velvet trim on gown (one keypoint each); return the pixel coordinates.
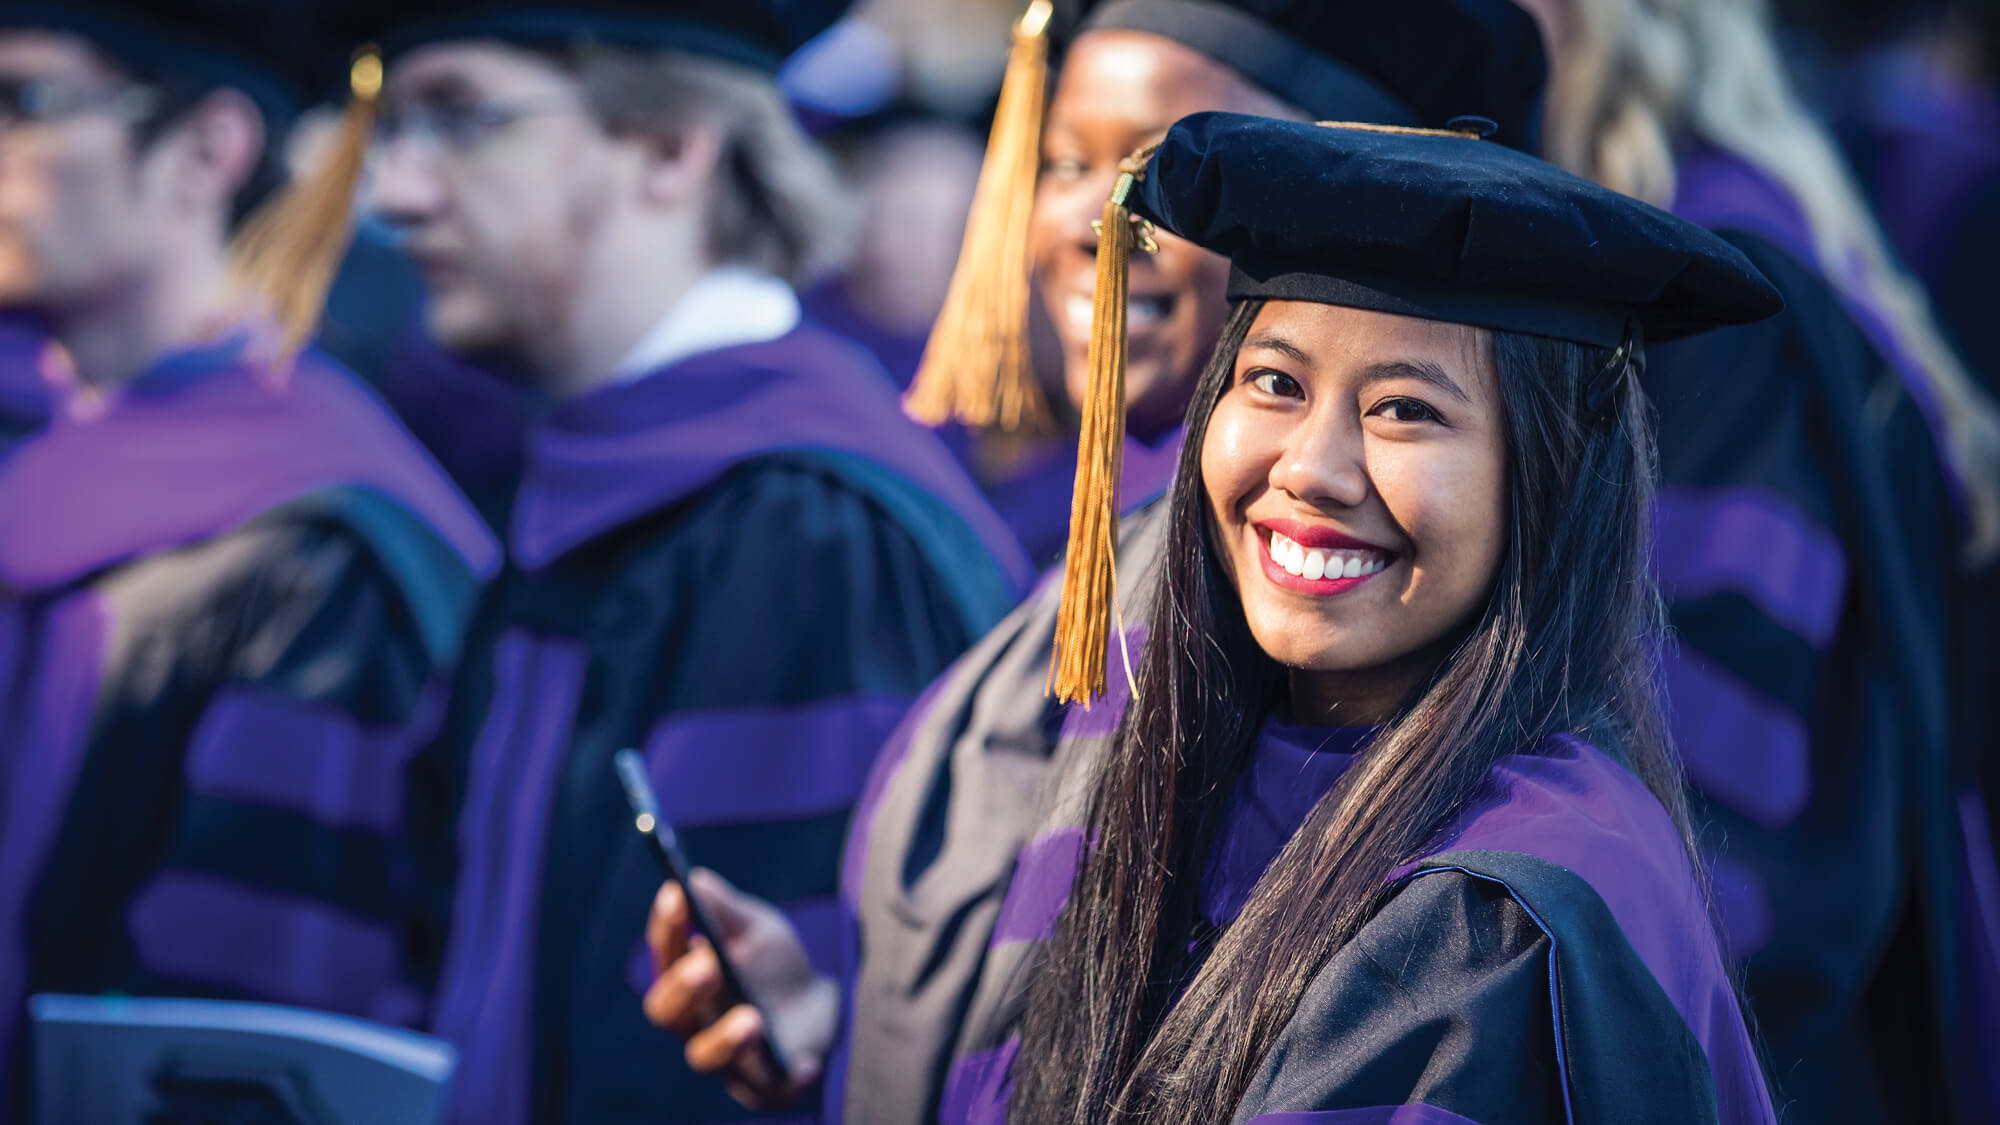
(604, 459)
(56, 654)
(486, 1001)
(199, 444)
(1576, 808)
(1571, 806)
(1754, 543)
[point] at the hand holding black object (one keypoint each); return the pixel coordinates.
(688, 988)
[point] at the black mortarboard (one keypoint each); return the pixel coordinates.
(760, 34)
(1411, 62)
(1439, 225)
(1445, 227)
(264, 48)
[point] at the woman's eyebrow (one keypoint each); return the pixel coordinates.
(1421, 370)
(1280, 345)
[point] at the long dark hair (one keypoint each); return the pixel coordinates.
(1569, 640)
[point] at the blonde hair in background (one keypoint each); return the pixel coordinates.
(1631, 74)
(780, 204)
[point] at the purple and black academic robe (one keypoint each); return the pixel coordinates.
(1551, 960)
(954, 797)
(1034, 498)
(1806, 542)
(229, 603)
(746, 565)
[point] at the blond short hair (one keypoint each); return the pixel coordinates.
(780, 205)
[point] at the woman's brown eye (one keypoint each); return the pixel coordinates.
(1407, 410)
(1277, 383)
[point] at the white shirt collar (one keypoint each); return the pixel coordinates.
(727, 307)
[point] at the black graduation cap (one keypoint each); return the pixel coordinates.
(1435, 224)
(1439, 225)
(265, 48)
(1406, 62)
(756, 33)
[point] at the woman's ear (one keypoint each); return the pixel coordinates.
(680, 165)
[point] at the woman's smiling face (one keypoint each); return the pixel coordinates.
(1356, 474)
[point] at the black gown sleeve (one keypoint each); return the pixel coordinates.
(1442, 1000)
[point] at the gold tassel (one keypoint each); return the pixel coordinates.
(1090, 580)
(975, 367)
(285, 255)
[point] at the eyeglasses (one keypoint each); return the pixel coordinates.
(458, 129)
(51, 99)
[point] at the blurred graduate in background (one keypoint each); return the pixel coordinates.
(729, 549)
(231, 584)
(1829, 478)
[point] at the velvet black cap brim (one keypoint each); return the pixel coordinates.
(1443, 227)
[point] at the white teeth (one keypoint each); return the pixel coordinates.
(1318, 565)
(1078, 311)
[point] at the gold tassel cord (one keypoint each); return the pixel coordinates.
(286, 254)
(1402, 130)
(1089, 594)
(976, 368)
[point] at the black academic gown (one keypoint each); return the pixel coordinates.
(1807, 545)
(745, 565)
(1552, 960)
(229, 603)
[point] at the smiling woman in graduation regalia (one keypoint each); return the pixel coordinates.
(729, 549)
(230, 584)
(1388, 828)
(1391, 820)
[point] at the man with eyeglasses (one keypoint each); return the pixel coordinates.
(231, 586)
(730, 550)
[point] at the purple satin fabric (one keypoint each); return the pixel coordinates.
(201, 443)
(1749, 752)
(1754, 543)
(604, 459)
(54, 655)
(485, 1000)
(1576, 808)
(309, 953)
(1293, 768)
(762, 776)
(309, 759)
(1570, 805)
(1043, 877)
(980, 1086)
